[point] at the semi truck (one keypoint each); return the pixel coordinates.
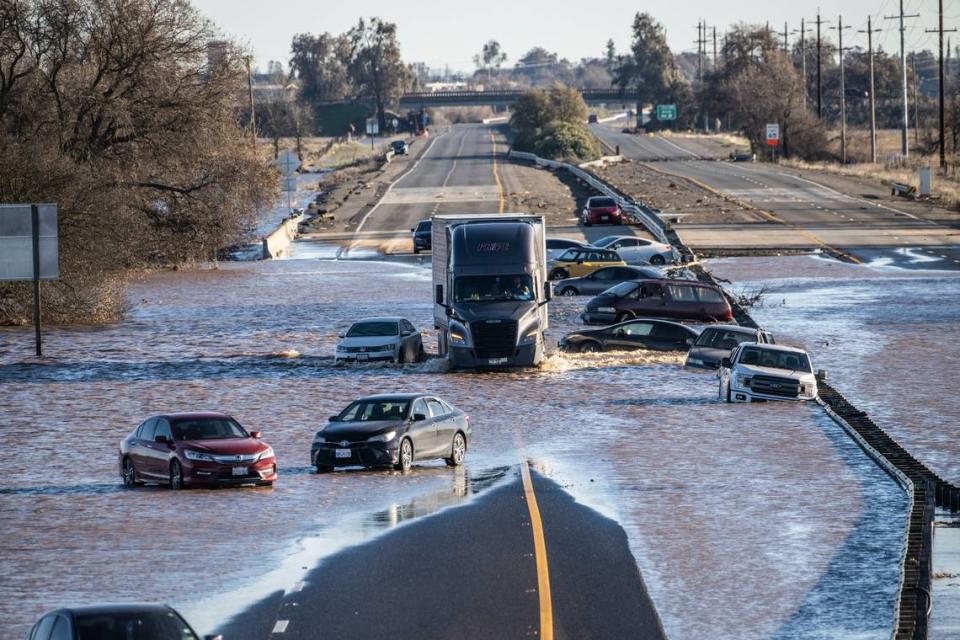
(490, 289)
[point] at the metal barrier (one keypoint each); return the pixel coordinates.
(637, 210)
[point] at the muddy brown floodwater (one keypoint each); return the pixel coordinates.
(758, 521)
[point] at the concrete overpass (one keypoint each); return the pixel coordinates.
(502, 98)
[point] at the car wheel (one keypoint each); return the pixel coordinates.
(322, 468)
(405, 456)
(176, 476)
(128, 473)
(559, 274)
(591, 347)
(568, 291)
(623, 317)
(658, 260)
(458, 451)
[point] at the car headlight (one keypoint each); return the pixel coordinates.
(606, 310)
(383, 437)
(694, 361)
(458, 335)
(531, 336)
(743, 381)
(266, 453)
(319, 437)
(196, 455)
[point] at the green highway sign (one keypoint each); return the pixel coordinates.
(666, 112)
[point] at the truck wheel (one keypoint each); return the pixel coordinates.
(729, 397)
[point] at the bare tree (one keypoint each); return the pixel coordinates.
(376, 66)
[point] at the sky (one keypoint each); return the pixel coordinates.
(448, 34)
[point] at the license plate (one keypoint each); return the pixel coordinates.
(343, 453)
(363, 356)
(497, 361)
(604, 218)
(239, 471)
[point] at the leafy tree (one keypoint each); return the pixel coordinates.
(568, 140)
(490, 57)
(648, 69)
(552, 124)
(375, 66)
(320, 64)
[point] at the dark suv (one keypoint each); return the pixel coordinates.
(672, 299)
(422, 236)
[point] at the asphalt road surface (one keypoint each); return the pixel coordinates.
(802, 211)
(472, 572)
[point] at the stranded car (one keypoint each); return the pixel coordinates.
(636, 250)
(422, 236)
(115, 622)
(195, 449)
(658, 335)
(670, 299)
(556, 246)
(392, 430)
(767, 372)
(400, 147)
(602, 279)
(371, 339)
(601, 210)
(717, 342)
(580, 262)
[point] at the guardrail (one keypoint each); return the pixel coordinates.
(637, 210)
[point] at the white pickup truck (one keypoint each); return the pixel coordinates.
(767, 372)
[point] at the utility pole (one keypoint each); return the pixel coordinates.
(803, 62)
(916, 102)
(701, 52)
(843, 93)
(904, 118)
(716, 60)
(820, 68)
(873, 100)
(940, 30)
(786, 49)
(253, 115)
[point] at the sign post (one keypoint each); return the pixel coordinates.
(373, 128)
(29, 251)
(773, 138)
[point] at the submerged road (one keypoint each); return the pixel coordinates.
(803, 211)
(523, 560)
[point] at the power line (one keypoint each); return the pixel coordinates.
(904, 123)
(873, 98)
(940, 31)
(843, 92)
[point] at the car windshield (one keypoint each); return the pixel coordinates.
(602, 202)
(373, 329)
(139, 625)
(207, 429)
(605, 241)
(372, 410)
(789, 360)
(425, 225)
(517, 288)
(622, 289)
(724, 339)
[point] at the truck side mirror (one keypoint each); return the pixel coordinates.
(439, 294)
(822, 375)
(548, 290)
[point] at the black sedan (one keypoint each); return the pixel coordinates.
(140, 621)
(392, 430)
(657, 335)
(602, 279)
(422, 236)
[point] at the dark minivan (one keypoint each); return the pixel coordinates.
(671, 299)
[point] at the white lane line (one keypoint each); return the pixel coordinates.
(676, 146)
(281, 626)
(394, 183)
(298, 586)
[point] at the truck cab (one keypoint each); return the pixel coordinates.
(491, 290)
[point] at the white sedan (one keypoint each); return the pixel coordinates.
(636, 250)
(393, 339)
(767, 372)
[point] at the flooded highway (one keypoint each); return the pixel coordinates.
(746, 521)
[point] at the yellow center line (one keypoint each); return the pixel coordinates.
(540, 553)
(496, 175)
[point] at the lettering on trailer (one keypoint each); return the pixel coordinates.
(493, 247)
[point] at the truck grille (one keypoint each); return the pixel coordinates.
(497, 339)
(773, 386)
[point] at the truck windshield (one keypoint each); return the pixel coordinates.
(517, 288)
(775, 359)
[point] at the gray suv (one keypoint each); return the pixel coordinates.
(717, 342)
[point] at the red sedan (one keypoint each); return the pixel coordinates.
(195, 449)
(601, 210)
